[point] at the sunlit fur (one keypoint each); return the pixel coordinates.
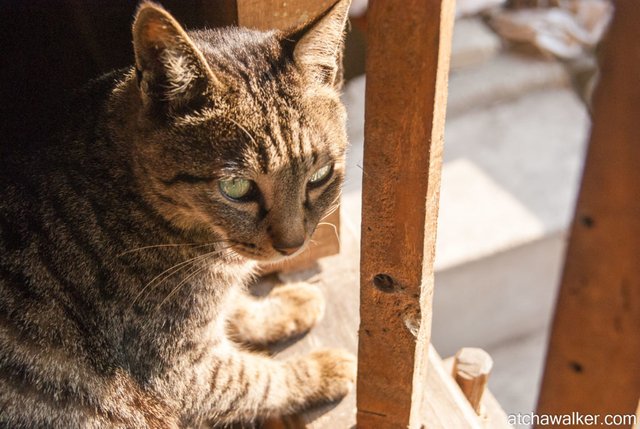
(264, 120)
(123, 266)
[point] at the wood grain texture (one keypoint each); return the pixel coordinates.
(218, 13)
(270, 14)
(447, 406)
(407, 67)
(593, 362)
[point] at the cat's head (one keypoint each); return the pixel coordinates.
(241, 132)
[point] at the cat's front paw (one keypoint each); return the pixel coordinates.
(300, 307)
(337, 371)
(287, 312)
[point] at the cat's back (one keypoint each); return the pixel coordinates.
(37, 200)
(52, 196)
(31, 172)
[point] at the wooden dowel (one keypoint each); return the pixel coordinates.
(471, 369)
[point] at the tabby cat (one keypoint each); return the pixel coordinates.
(126, 244)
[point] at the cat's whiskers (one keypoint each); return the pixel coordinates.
(361, 168)
(183, 281)
(175, 269)
(335, 230)
(307, 249)
(233, 243)
(332, 209)
(197, 246)
(189, 276)
(335, 204)
(169, 272)
(153, 247)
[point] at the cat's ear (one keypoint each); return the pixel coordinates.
(172, 73)
(318, 45)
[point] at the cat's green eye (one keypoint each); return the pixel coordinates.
(320, 175)
(236, 188)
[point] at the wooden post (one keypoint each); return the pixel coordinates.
(593, 362)
(406, 90)
(471, 369)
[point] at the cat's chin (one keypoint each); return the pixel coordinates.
(276, 259)
(269, 259)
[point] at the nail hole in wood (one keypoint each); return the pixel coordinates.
(384, 282)
(587, 221)
(576, 367)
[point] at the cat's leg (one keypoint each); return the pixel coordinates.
(288, 311)
(247, 386)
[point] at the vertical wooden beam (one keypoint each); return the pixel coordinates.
(593, 362)
(407, 67)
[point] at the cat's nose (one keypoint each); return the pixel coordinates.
(288, 249)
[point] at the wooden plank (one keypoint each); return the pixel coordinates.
(270, 14)
(593, 362)
(262, 14)
(494, 415)
(219, 13)
(447, 406)
(407, 67)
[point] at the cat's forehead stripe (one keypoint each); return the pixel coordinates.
(266, 87)
(275, 139)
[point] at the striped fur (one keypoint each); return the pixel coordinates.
(123, 266)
